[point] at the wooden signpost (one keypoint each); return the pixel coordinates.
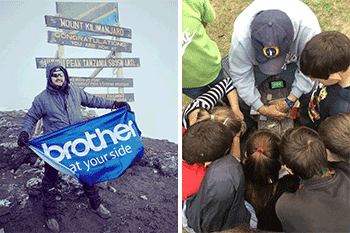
(88, 42)
(72, 24)
(101, 82)
(80, 21)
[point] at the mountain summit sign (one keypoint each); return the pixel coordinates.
(89, 62)
(88, 42)
(72, 24)
(77, 24)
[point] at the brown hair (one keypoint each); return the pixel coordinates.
(335, 133)
(205, 141)
(303, 151)
(325, 54)
(261, 167)
(223, 115)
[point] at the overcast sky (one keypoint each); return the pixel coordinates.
(154, 40)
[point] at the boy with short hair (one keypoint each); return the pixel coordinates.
(218, 203)
(326, 59)
(321, 204)
(335, 133)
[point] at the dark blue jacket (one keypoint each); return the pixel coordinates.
(337, 100)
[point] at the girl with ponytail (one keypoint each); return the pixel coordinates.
(263, 187)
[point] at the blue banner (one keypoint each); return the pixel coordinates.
(94, 151)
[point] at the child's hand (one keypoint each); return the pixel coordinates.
(233, 99)
(193, 116)
(238, 114)
(243, 129)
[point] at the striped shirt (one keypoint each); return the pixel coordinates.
(209, 99)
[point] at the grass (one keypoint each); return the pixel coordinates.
(332, 15)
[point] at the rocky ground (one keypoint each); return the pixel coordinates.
(143, 199)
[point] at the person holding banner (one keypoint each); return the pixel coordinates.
(59, 105)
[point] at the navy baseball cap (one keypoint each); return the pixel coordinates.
(272, 34)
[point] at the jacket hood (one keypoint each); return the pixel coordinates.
(50, 68)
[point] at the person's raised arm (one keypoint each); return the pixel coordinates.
(207, 101)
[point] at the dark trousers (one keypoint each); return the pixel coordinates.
(49, 192)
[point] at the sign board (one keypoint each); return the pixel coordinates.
(101, 82)
(102, 13)
(89, 62)
(72, 24)
(126, 97)
(88, 42)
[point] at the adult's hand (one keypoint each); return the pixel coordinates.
(117, 105)
(23, 139)
(273, 112)
(281, 105)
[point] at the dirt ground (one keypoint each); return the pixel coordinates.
(145, 200)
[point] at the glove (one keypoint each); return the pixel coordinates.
(23, 139)
(117, 105)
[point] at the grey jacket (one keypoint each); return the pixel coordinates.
(242, 57)
(321, 205)
(60, 108)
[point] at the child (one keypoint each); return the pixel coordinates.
(197, 142)
(335, 133)
(326, 59)
(209, 99)
(219, 202)
(225, 116)
(263, 187)
(202, 108)
(321, 204)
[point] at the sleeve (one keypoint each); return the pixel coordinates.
(208, 15)
(33, 115)
(92, 101)
(242, 74)
(302, 84)
(208, 100)
(337, 100)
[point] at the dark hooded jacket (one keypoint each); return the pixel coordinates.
(60, 107)
(219, 203)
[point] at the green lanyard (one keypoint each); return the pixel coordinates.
(325, 172)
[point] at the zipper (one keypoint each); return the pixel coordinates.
(66, 108)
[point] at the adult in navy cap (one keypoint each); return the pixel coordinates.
(268, 38)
